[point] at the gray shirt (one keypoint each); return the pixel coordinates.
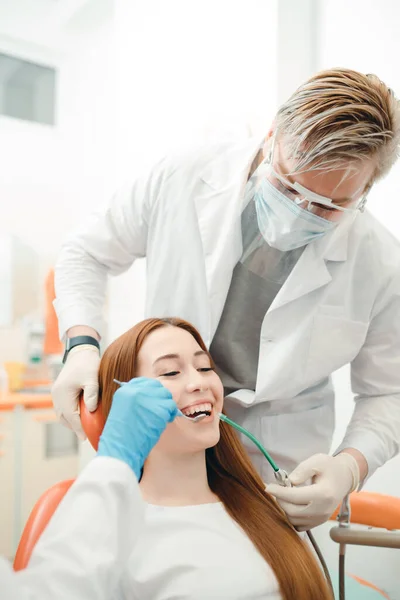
(256, 281)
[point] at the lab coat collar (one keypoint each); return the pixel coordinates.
(334, 245)
(331, 247)
(232, 162)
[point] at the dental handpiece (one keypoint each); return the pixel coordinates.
(251, 437)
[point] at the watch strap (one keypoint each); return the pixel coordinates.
(78, 340)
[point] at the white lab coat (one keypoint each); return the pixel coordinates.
(340, 304)
(84, 549)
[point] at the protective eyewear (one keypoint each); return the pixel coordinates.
(299, 194)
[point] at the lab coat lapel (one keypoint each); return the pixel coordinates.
(309, 274)
(311, 271)
(220, 231)
(219, 215)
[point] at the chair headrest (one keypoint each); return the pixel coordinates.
(92, 422)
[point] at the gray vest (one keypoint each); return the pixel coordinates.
(256, 280)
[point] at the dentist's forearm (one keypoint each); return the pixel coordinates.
(360, 459)
(82, 330)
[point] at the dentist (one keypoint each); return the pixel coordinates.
(266, 246)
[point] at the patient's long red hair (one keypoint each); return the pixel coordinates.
(231, 477)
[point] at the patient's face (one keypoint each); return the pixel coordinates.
(173, 356)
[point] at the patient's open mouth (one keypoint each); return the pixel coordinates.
(199, 409)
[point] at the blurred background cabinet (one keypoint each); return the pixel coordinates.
(7, 476)
(49, 454)
(36, 452)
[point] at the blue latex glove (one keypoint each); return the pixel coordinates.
(140, 412)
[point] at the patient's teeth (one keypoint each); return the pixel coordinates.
(204, 407)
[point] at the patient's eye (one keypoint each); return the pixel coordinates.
(205, 369)
(170, 374)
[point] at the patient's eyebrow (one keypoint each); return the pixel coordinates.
(165, 356)
(176, 356)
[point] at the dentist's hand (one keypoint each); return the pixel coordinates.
(140, 411)
(332, 478)
(80, 372)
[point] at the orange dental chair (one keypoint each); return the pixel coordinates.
(45, 507)
(374, 511)
(367, 508)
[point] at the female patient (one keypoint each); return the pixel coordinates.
(211, 529)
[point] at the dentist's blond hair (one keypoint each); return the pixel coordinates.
(339, 117)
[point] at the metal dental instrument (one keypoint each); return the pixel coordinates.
(192, 419)
(180, 413)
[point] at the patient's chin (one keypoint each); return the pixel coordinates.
(190, 442)
(207, 439)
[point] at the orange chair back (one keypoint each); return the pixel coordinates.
(374, 510)
(38, 519)
(51, 343)
(92, 423)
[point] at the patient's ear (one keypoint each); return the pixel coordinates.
(92, 422)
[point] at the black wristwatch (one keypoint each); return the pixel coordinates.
(78, 340)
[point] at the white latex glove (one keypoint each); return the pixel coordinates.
(332, 478)
(80, 372)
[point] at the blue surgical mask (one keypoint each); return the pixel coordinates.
(283, 224)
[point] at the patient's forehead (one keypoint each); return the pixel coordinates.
(167, 340)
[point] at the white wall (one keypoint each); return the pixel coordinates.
(186, 72)
(186, 68)
(30, 155)
(31, 161)
(52, 176)
(87, 114)
(363, 35)
(194, 71)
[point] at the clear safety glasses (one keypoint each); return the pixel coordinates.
(307, 199)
